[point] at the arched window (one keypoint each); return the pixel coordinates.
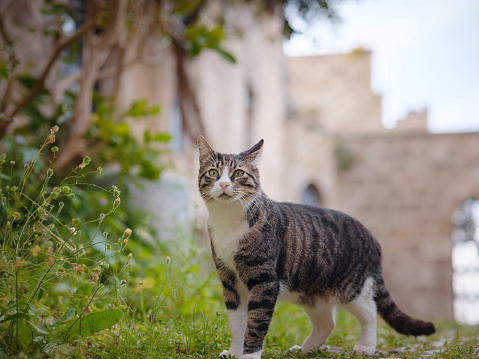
(311, 196)
(465, 262)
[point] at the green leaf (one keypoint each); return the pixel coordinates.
(37, 329)
(40, 294)
(155, 110)
(138, 109)
(162, 137)
(122, 129)
(69, 314)
(25, 334)
(226, 55)
(28, 81)
(84, 289)
(4, 72)
(16, 316)
(94, 323)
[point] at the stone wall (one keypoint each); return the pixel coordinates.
(336, 91)
(405, 189)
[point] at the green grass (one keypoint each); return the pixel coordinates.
(206, 337)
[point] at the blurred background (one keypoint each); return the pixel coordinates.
(368, 107)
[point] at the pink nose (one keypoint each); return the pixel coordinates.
(224, 185)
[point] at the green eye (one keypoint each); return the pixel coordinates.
(213, 173)
(238, 173)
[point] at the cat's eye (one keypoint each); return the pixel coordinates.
(238, 173)
(213, 173)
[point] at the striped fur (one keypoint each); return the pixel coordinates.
(315, 257)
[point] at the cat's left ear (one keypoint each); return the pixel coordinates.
(253, 153)
(206, 152)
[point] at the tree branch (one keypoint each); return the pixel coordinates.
(40, 85)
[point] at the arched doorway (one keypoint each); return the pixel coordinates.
(311, 196)
(465, 262)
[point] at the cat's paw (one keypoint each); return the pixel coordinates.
(255, 355)
(295, 349)
(228, 353)
(363, 350)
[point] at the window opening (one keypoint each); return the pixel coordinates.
(311, 196)
(465, 262)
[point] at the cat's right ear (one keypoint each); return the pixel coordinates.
(206, 152)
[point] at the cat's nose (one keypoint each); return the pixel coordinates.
(224, 185)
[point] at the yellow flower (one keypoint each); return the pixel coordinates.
(35, 250)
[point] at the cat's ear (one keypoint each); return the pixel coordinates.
(206, 152)
(253, 153)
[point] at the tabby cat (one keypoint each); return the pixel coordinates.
(266, 251)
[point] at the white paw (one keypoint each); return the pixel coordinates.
(255, 355)
(363, 350)
(227, 353)
(295, 349)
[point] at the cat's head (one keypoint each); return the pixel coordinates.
(227, 178)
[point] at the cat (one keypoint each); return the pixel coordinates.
(266, 251)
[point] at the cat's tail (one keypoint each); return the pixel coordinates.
(395, 317)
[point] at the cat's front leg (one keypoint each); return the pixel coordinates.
(263, 293)
(237, 325)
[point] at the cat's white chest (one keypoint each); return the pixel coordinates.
(227, 227)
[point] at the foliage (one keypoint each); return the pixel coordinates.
(51, 275)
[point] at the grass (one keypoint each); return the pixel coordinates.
(206, 337)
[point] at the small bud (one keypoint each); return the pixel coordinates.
(100, 170)
(123, 282)
(54, 149)
(54, 129)
(71, 196)
(127, 232)
(117, 201)
(86, 160)
(76, 221)
(167, 259)
(140, 283)
(108, 246)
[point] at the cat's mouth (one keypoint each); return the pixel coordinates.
(225, 198)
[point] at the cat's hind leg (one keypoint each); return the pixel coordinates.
(364, 308)
(322, 318)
